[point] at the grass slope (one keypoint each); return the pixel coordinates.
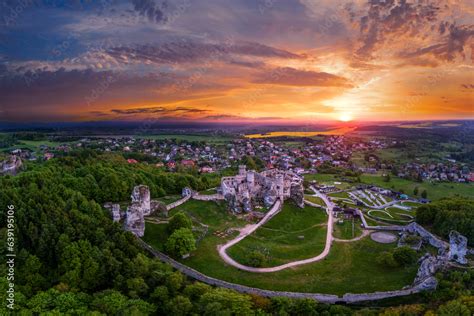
(280, 237)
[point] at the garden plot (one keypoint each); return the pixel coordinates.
(394, 214)
(370, 198)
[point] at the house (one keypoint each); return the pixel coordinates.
(171, 165)
(207, 169)
(132, 161)
(187, 163)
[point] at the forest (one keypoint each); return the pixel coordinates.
(72, 259)
(449, 214)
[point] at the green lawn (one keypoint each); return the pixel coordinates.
(350, 267)
(210, 213)
(348, 229)
(156, 235)
(435, 191)
(344, 195)
(315, 199)
(328, 179)
(293, 234)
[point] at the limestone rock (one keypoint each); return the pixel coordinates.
(428, 267)
(186, 191)
(141, 197)
(457, 247)
(11, 165)
(297, 194)
(114, 209)
(269, 198)
(136, 212)
(158, 207)
(135, 220)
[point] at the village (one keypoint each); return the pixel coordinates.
(332, 152)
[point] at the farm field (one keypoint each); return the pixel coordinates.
(293, 234)
(435, 191)
(189, 137)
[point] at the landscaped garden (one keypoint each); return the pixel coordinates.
(293, 234)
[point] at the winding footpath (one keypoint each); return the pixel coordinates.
(249, 229)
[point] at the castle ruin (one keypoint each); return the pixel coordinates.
(249, 188)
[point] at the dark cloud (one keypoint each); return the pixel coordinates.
(387, 19)
(159, 110)
(451, 45)
(467, 85)
(150, 9)
(189, 51)
(294, 77)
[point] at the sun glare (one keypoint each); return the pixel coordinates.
(345, 117)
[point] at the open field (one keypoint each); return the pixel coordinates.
(350, 267)
(435, 191)
(338, 131)
(328, 179)
(213, 214)
(293, 234)
(190, 137)
(314, 199)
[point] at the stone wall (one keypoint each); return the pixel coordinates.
(178, 202)
(324, 298)
(210, 197)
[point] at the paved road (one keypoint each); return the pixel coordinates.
(251, 228)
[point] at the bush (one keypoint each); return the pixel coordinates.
(256, 259)
(386, 259)
(181, 242)
(404, 255)
(178, 221)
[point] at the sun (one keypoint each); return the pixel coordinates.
(345, 117)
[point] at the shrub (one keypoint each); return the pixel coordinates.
(404, 255)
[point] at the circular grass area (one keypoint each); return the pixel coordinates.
(383, 237)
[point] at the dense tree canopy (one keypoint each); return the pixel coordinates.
(449, 214)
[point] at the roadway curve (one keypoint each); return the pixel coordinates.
(249, 229)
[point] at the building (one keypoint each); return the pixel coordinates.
(249, 188)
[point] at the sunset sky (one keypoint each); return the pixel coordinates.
(239, 60)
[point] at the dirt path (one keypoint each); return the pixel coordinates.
(365, 233)
(247, 230)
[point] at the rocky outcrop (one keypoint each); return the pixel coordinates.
(269, 197)
(186, 191)
(457, 247)
(297, 194)
(114, 210)
(428, 266)
(141, 197)
(11, 166)
(428, 237)
(141, 206)
(158, 207)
